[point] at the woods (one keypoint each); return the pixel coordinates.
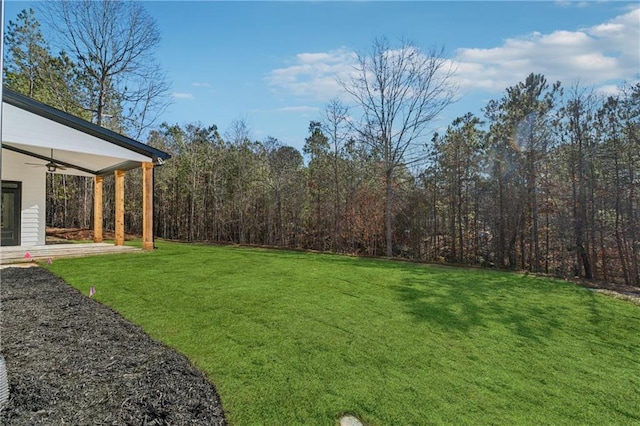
(554, 191)
(546, 178)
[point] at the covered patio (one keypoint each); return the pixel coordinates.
(16, 254)
(38, 139)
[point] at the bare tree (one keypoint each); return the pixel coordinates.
(579, 112)
(335, 124)
(113, 43)
(400, 92)
(241, 171)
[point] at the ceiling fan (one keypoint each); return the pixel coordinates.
(51, 166)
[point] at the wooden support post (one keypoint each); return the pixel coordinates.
(97, 209)
(119, 200)
(147, 206)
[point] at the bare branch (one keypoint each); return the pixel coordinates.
(113, 43)
(399, 92)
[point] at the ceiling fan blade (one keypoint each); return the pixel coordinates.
(51, 166)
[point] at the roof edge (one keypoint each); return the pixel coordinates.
(21, 101)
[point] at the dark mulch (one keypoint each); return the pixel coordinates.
(71, 360)
(80, 234)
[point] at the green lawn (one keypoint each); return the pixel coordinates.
(298, 338)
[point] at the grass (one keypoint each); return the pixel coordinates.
(298, 338)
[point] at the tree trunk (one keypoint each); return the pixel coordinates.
(388, 208)
(534, 219)
(460, 229)
(501, 246)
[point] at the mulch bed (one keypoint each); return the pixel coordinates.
(80, 234)
(71, 360)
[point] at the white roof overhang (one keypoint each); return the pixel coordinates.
(85, 149)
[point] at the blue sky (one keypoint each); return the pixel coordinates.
(275, 64)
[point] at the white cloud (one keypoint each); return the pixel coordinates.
(314, 74)
(200, 84)
(301, 108)
(182, 95)
(600, 55)
(596, 55)
(608, 90)
(570, 3)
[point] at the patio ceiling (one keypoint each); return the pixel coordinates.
(44, 133)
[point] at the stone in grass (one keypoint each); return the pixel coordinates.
(349, 420)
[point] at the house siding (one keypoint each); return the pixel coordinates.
(33, 179)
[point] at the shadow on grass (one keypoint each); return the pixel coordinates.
(462, 300)
(459, 299)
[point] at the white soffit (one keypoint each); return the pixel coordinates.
(61, 156)
(20, 127)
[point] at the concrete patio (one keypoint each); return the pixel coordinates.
(13, 255)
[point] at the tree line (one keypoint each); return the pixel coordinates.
(545, 178)
(547, 181)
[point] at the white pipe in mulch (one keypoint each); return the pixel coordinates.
(4, 384)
